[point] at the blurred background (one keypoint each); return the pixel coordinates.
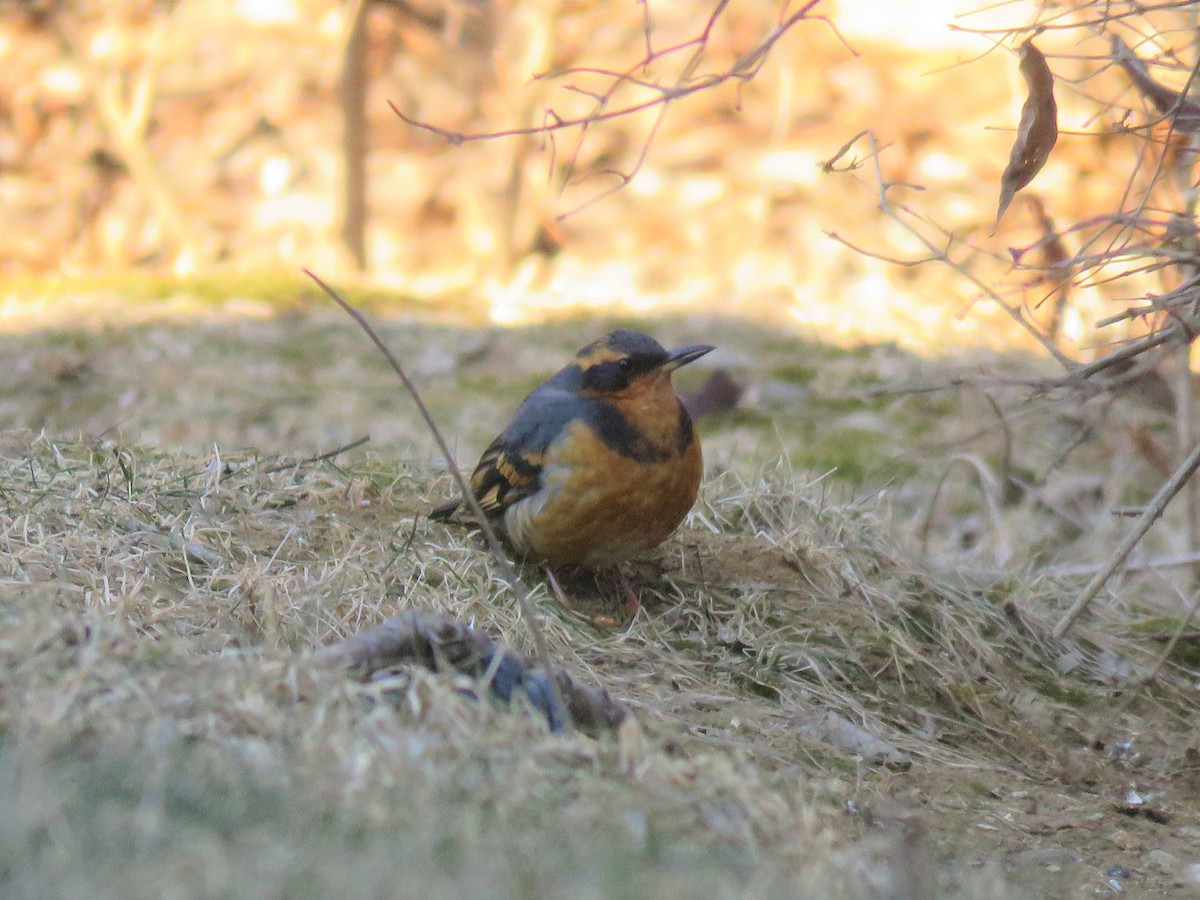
(190, 139)
(813, 188)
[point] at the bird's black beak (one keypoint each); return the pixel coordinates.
(685, 355)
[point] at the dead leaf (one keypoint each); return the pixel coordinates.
(1185, 113)
(1039, 127)
(720, 393)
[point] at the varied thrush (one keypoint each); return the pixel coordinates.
(599, 462)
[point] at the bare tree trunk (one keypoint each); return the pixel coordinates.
(354, 137)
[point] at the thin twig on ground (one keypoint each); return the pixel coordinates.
(320, 457)
(506, 568)
(989, 486)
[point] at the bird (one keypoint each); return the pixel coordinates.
(598, 463)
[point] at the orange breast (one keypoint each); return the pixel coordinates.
(598, 506)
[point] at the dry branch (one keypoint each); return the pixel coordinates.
(1153, 511)
(663, 94)
(1054, 267)
(320, 457)
(1183, 112)
(937, 254)
(191, 551)
(493, 542)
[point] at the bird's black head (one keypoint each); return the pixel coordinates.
(616, 361)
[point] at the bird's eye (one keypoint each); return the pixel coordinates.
(625, 364)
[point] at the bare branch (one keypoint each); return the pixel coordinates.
(1153, 512)
(320, 457)
(687, 83)
(506, 568)
(942, 255)
(1182, 111)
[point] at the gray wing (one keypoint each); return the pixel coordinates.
(511, 467)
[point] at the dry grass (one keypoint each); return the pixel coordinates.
(165, 730)
(304, 382)
(820, 705)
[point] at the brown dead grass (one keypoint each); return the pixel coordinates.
(163, 724)
(825, 701)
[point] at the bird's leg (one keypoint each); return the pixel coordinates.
(632, 602)
(557, 589)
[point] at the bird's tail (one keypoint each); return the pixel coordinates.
(445, 511)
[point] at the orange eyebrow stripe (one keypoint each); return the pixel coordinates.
(595, 355)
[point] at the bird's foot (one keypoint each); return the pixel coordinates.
(633, 602)
(558, 591)
(600, 619)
